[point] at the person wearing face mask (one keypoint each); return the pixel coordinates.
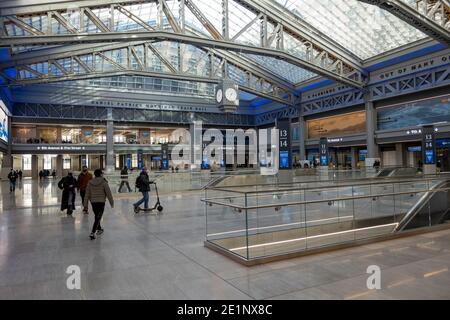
(83, 180)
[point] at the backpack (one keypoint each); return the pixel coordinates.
(138, 183)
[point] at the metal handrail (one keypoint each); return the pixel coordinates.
(288, 204)
(376, 182)
(324, 181)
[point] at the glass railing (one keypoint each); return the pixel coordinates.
(242, 179)
(262, 221)
(170, 182)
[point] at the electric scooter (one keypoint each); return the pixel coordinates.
(157, 205)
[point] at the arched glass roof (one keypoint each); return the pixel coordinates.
(363, 31)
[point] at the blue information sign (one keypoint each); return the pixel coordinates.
(429, 145)
(323, 151)
(284, 133)
(165, 156)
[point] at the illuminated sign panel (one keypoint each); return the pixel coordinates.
(284, 128)
(4, 129)
(323, 150)
(429, 145)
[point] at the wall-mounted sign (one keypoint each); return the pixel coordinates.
(323, 152)
(310, 95)
(415, 149)
(284, 129)
(149, 106)
(429, 145)
(412, 68)
(335, 140)
(414, 131)
(60, 148)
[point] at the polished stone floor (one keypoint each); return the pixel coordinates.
(163, 257)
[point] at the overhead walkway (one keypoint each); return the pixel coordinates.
(258, 223)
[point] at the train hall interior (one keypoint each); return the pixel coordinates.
(225, 149)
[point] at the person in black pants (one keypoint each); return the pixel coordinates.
(124, 178)
(97, 191)
(68, 185)
(12, 177)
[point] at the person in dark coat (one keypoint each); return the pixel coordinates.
(68, 185)
(124, 179)
(143, 184)
(12, 177)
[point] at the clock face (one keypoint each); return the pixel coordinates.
(219, 95)
(231, 94)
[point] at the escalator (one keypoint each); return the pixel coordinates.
(433, 208)
(397, 172)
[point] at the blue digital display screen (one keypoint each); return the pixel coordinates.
(362, 155)
(205, 163)
(323, 160)
(429, 157)
(165, 165)
(284, 159)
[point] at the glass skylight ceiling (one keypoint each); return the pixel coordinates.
(363, 29)
(282, 69)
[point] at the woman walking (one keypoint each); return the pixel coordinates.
(96, 192)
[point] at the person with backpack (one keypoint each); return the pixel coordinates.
(82, 183)
(124, 179)
(68, 184)
(12, 177)
(97, 191)
(143, 184)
